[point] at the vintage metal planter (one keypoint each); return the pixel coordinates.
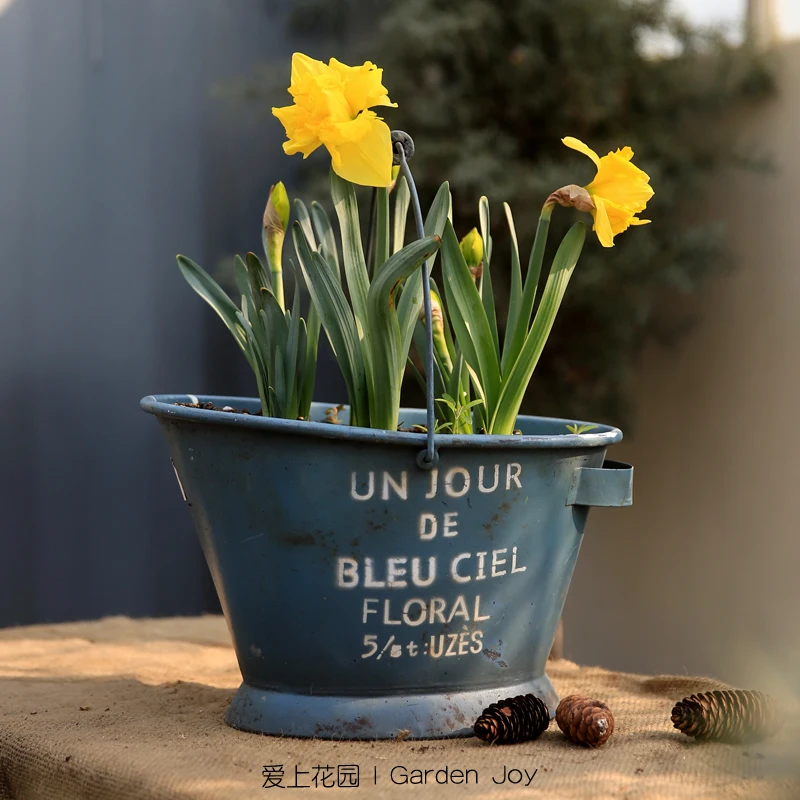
(366, 596)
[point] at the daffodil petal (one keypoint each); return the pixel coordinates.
(602, 226)
(303, 65)
(624, 152)
(362, 151)
(621, 182)
(301, 138)
(362, 85)
(338, 109)
(619, 217)
(577, 144)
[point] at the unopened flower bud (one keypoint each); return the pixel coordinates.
(276, 221)
(439, 339)
(276, 214)
(472, 250)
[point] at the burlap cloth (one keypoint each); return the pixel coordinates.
(133, 709)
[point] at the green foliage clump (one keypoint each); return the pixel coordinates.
(488, 89)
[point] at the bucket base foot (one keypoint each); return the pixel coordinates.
(415, 716)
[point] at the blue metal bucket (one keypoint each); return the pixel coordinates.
(366, 596)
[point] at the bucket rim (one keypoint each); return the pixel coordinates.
(163, 406)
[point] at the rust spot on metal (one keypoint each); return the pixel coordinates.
(298, 539)
(493, 655)
(351, 726)
(356, 725)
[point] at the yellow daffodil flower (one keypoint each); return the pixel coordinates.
(619, 191)
(331, 103)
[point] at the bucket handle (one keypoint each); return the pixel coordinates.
(610, 486)
(403, 146)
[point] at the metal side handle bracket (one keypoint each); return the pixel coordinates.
(610, 486)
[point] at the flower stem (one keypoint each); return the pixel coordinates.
(429, 459)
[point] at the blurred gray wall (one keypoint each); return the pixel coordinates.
(701, 575)
(114, 156)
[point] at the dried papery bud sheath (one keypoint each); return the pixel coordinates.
(733, 716)
(276, 222)
(572, 196)
(472, 250)
(585, 721)
(439, 339)
(515, 719)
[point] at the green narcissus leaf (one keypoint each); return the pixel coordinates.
(411, 300)
(324, 231)
(505, 415)
(578, 428)
(215, 296)
(381, 227)
(515, 294)
(467, 315)
(389, 353)
(520, 331)
(485, 284)
(340, 325)
(402, 198)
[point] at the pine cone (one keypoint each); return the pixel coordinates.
(515, 719)
(732, 716)
(585, 721)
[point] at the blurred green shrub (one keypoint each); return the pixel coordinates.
(488, 89)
